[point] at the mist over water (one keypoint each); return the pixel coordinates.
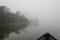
(47, 13)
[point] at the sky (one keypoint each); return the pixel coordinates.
(46, 11)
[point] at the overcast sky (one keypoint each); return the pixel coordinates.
(47, 11)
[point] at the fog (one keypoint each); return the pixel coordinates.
(47, 13)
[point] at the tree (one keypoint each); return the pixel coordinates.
(10, 22)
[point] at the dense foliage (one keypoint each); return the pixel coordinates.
(10, 22)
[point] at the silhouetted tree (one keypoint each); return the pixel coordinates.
(10, 22)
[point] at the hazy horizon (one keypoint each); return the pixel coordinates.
(46, 11)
